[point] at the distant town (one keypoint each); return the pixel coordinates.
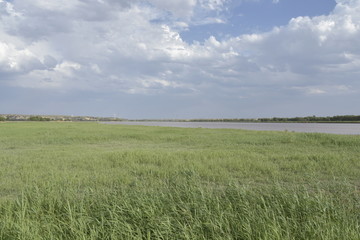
(21, 117)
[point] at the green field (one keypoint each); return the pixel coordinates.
(63, 180)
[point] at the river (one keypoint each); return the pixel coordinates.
(334, 128)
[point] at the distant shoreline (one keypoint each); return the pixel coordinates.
(310, 119)
(224, 121)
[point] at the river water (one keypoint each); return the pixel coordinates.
(334, 128)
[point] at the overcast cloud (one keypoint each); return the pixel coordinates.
(105, 57)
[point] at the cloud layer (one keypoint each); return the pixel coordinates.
(135, 47)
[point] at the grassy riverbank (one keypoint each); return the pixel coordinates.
(93, 181)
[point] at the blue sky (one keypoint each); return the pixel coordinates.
(244, 17)
(180, 58)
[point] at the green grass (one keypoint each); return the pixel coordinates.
(95, 181)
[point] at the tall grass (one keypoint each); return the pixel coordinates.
(92, 181)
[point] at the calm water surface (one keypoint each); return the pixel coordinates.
(335, 128)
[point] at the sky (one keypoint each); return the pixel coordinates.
(146, 59)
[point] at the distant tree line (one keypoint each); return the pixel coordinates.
(31, 118)
(342, 118)
(38, 118)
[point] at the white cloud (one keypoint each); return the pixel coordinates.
(17, 60)
(60, 77)
(179, 8)
(213, 4)
(119, 46)
(56, 6)
(331, 90)
(186, 9)
(307, 45)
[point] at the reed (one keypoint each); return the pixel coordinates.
(94, 181)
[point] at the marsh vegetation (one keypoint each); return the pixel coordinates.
(92, 181)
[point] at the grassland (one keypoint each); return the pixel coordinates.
(93, 181)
